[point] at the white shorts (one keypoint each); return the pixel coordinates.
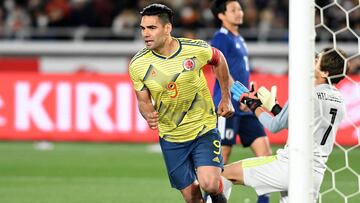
(270, 174)
(266, 174)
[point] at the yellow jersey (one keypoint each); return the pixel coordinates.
(178, 88)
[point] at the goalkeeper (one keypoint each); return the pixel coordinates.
(270, 174)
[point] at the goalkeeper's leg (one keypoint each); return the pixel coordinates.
(261, 147)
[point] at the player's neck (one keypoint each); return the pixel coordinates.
(320, 81)
(234, 29)
(170, 46)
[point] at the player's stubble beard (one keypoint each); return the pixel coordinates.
(158, 44)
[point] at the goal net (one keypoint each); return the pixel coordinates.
(336, 24)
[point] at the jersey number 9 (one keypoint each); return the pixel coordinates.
(173, 91)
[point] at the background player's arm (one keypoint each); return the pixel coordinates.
(147, 109)
(221, 71)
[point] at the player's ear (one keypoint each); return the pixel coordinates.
(221, 16)
(324, 74)
(168, 28)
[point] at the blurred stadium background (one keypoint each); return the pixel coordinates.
(69, 126)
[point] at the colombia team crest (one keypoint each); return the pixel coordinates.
(189, 64)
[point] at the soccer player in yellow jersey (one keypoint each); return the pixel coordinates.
(173, 97)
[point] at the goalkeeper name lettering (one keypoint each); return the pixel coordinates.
(324, 96)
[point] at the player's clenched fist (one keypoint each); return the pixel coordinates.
(153, 120)
(225, 108)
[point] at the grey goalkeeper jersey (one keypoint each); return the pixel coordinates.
(329, 110)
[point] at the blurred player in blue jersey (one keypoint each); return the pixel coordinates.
(270, 173)
(174, 99)
(229, 41)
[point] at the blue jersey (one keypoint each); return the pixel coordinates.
(236, 54)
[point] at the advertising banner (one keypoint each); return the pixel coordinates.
(81, 107)
(102, 107)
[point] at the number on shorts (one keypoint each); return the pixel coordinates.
(216, 143)
(229, 134)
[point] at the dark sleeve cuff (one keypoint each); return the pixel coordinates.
(276, 109)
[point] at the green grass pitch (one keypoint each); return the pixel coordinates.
(120, 173)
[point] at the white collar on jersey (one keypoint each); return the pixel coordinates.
(224, 30)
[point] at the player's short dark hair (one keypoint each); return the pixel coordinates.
(219, 6)
(162, 11)
(333, 61)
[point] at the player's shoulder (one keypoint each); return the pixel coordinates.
(193, 42)
(328, 93)
(139, 56)
(221, 36)
(222, 33)
(326, 88)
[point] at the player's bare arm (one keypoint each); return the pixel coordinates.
(221, 71)
(147, 109)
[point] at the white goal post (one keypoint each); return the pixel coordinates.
(301, 72)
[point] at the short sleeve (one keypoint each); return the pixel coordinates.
(207, 53)
(135, 78)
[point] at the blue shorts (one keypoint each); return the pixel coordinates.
(183, 158)
(248, 127)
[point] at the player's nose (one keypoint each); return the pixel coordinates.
(145, 33)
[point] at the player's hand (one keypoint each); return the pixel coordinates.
(225, 108)
(269, 99)
(153, 120)
(237, 89)
(251, 101)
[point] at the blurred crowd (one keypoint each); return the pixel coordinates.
(264, 20)
(39, 18)
(118, 19)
